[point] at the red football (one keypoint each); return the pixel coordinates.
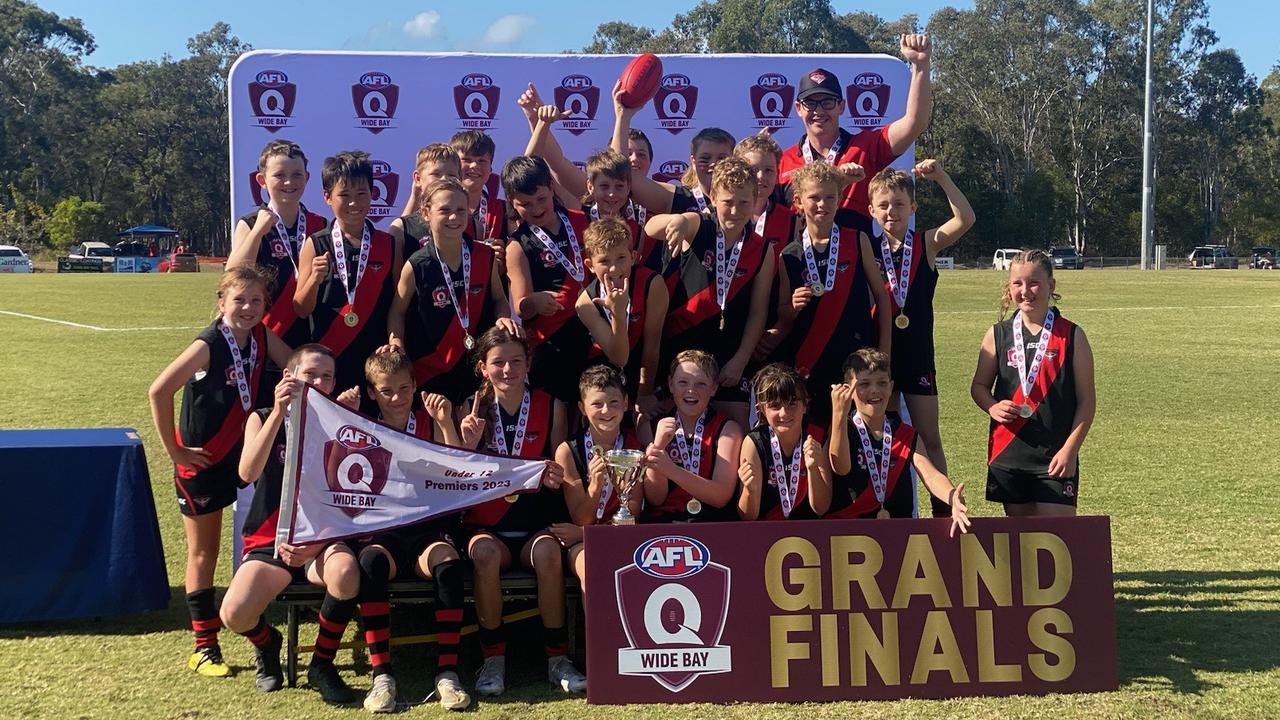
(640, 80)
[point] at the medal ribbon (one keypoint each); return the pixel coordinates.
(899, 278)
(500, 428)
(607, 491)
(1027, 376)
(482, 213)
(340, 259)
(700, 198)
(575, 268)
(635, 211)
(879, 471)
(463, 309)
(832, 153)
(237, 364)
(290, 243)
(691, 462)
(786, 477)
(725, 268)
(833, 256)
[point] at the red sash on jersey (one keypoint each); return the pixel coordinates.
(263, 536)
(640, 278)
(494, 221)
(232, 430)
(542, 327)
(280, 316)
(777, 228)
(488, 514)
(338, 335)
(831, 306)
(899, 455)
(425, 429)
(450, 350)
(1059, 340)
(678, 496)
(702, 306)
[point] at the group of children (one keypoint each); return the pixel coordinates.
(748, 329)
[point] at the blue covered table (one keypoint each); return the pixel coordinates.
(79, 531)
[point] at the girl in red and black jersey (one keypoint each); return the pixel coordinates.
(266, 569)
(547, 273)
(346, 272)
(693, 459)
(623, 307)
(589, 494)
(784, 468)
(873, 478)
(515, 420)
(1035, 379)
(906, 262)
(449, 292)
(826, 297)
(721, 293)
(219, 373)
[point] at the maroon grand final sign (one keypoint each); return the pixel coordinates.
(849, 610)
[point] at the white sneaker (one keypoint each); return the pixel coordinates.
(452, 695)
(382, 696)
(562, 674)
(492, 678)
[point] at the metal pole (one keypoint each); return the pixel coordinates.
(1148, 158)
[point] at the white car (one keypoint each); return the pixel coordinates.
(13, 260)
(1003, 258)
(93, 249)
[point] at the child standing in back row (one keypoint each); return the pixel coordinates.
(1035, 379)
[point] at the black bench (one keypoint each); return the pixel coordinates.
(516, 585)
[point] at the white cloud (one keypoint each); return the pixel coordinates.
(424, 25)
(507, 30)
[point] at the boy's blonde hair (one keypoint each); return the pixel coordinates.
(733, 174)
(892, 180)
(437, 153)
(705, 361)
(763, 144)
(387, 363)
(604, 235)
(817, 173)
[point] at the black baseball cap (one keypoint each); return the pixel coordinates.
(819, 82)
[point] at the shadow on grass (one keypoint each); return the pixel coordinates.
(1174, 627)
(174, 617)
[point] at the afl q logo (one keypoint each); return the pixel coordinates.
(476, 99)
(675, 103)
(375, 98)
(579, 97)
(868, 100)
(674, 603)
(383, 193)
(272, 98)
(671, 171)
(356, 469)
(771, 100)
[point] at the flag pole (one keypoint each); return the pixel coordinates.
(1148, 159)
(293, 435)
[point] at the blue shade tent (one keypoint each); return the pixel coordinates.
(148, 230)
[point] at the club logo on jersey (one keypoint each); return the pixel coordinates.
(1069, 489)
(356, 467)
(548, 260)
(476, 98)
(673, 602)
(385, 185)
(580, 98)
(375, 98)
(771, 99)
(1010, 359)
(842, 266)
(440, 297)
(272, 98)
(709, 260)
(868, 100)
(671, 171)
(675, 102)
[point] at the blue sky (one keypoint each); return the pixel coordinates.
(131, 30)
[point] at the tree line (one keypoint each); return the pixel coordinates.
(1037, 115)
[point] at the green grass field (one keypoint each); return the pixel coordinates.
(1182, 457)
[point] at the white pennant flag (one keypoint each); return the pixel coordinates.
(349, 476)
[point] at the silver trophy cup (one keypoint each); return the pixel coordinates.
(624, 471)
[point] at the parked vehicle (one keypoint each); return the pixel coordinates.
(1003, 258)
(94, 249)
(1213, 256)
(13, 260)
(1264, 258)
(1066, 258)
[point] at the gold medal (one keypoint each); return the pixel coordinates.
(902, 321)
(817, 288)
(1024, 410)
(882, 513)
(351, 319)
(722, 322)
(693, 506)
(469, 342)
(511, 498)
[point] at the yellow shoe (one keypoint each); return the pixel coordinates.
(208, 662)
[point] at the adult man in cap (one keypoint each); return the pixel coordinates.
(820, 103)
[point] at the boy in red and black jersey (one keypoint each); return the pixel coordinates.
(1035, 380)
(721, 292)
(347, 271)
(784, 466)
(449, 292)
(488, 212)
(825, 295)
(547, 273)
(873, 477)
(267, 569)
(820, 103)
